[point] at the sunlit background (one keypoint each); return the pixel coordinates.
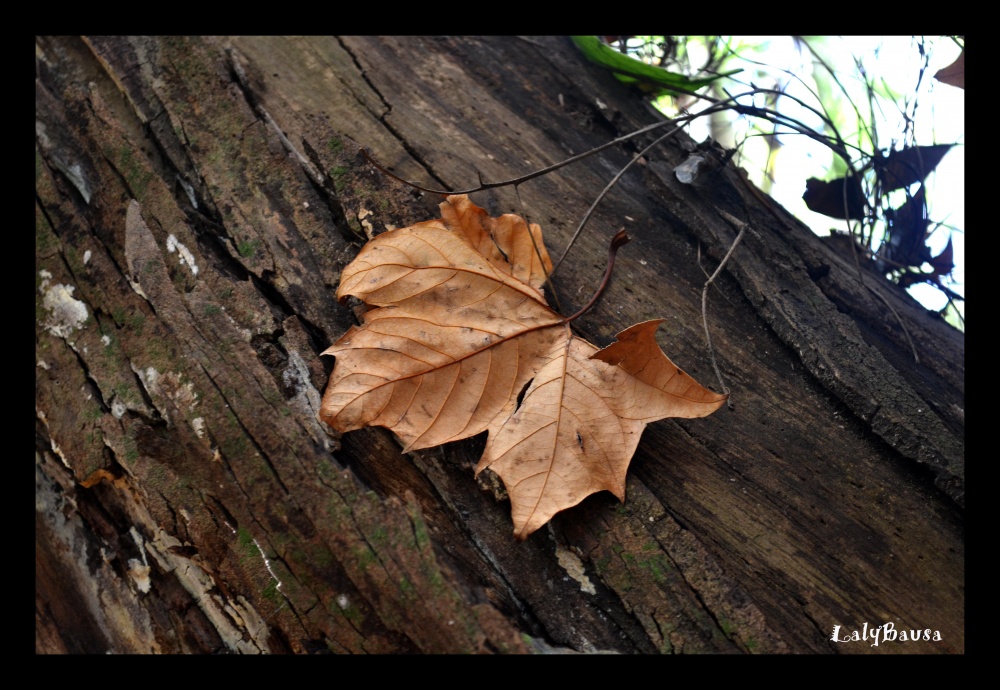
(884, 96)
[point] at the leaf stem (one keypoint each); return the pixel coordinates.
(620, 239)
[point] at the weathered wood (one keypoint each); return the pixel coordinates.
(196, 200)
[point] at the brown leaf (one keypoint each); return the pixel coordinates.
(829, 199)
(580, 422)
(907, 245)
(462, 327)
(944, 263)
(912, 164)
(954, 73)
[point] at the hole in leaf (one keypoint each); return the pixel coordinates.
(520, 396)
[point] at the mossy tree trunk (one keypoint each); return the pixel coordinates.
(196, 200)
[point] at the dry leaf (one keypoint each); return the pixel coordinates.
(944, 263)
(462, 328)
(954, 73)
(908, 165)
(829, 198)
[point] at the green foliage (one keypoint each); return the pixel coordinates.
(247, 248)
(246, 542)
(338, 178)
(271, 591)
(632, 71)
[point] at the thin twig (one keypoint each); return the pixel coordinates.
(730, 103)
(916, 357)
(607, 189)
(537, 173)
(721, 293)
(836, 80)
(698, 256)
(704, 297)
(951, 303)
(861, 279)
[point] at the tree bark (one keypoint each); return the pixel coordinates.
(196, 200)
